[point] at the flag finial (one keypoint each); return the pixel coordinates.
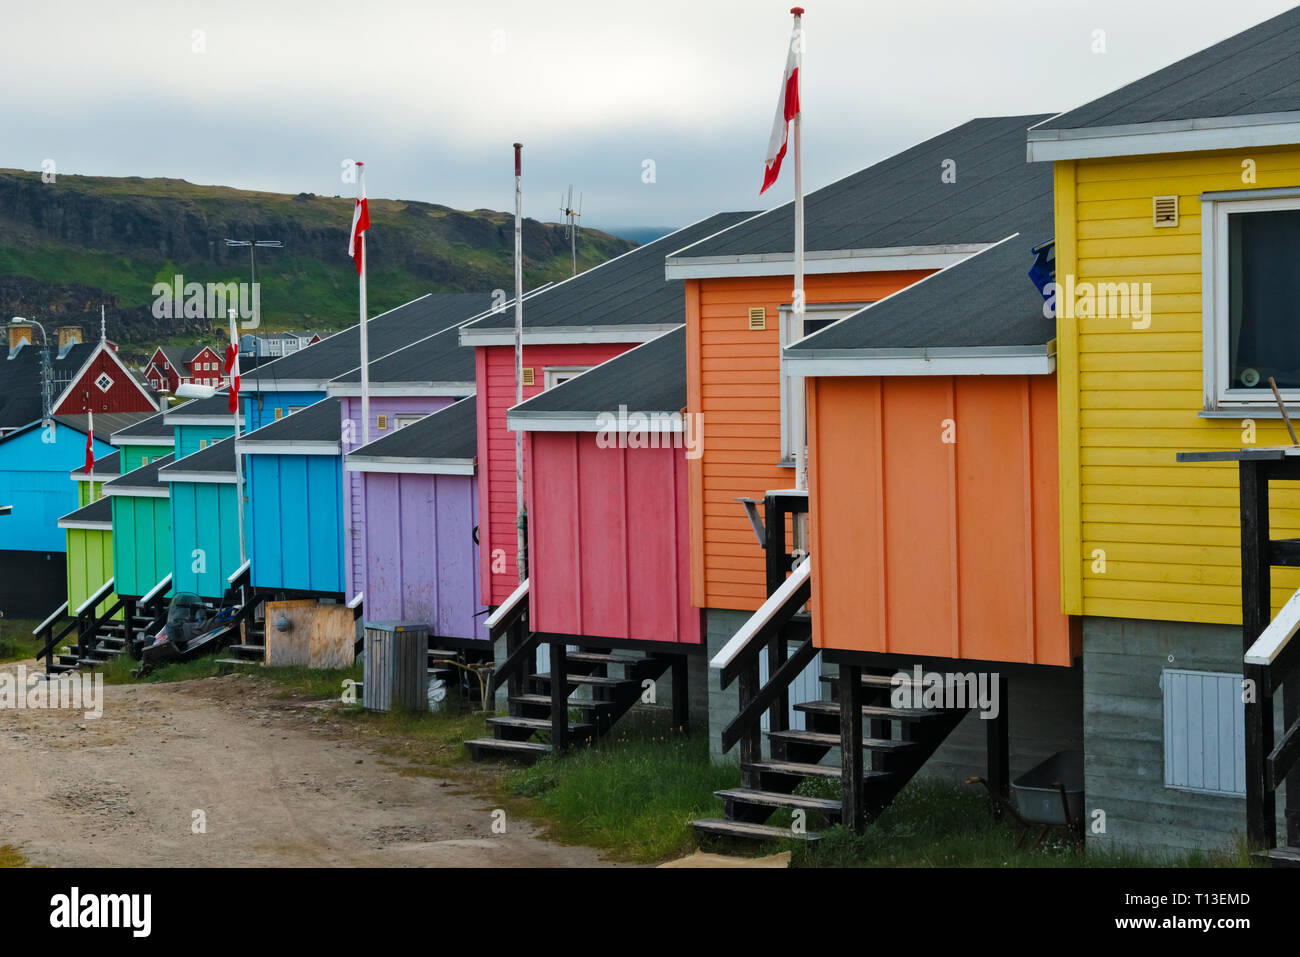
(797, 11)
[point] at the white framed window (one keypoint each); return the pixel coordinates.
(816, 316)
(104, 382)
(558, 374)
(1205, 732)
(1250, 242)
(406, 418)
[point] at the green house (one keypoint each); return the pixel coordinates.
(90, 554)
(141, 520)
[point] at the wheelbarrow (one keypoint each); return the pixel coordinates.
(1049, 799)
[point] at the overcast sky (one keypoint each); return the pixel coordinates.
(275, 94)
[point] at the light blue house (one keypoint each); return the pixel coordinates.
(199, 423)
(204, 519)
(294, 485)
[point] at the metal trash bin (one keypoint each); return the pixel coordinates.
(396, 666)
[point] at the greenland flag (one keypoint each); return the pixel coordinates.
(787, 108)
(360, 223)
(90, 442)
(232, 367)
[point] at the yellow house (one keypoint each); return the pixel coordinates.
(1177, 205)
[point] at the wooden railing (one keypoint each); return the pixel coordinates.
(1272, 668)
(510, 620)
(84, 621)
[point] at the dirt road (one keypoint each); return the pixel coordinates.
(275, 788)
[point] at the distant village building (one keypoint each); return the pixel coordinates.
(276, 344)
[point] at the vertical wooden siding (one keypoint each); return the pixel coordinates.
(90, 564)
(734, 379)
(203, 518)
(421, 560)
(495, 378)
(142, 547)
(295, 520)
(609, 542)
(1129, 400)
(354, 512)
(927, 547)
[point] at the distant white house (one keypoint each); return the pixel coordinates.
(276, 344)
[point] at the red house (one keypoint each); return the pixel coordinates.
(169, 367)
(104, 384)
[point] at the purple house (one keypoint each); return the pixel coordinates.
(417, 500)
(405, 386)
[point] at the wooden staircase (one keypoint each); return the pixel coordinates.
(597, 685)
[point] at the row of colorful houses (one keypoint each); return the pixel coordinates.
(993, 488)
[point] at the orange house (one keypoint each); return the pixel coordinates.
(868, 236)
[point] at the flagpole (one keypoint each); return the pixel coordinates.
(239, 465)
(521, 543)
(800, 299)
(365, 346)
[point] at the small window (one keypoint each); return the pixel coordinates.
(402, 421)
(1205, 737)
(563, 374)
(104, 382)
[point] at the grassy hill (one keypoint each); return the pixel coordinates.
(66, 247)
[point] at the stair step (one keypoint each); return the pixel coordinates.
(599, 659)
(525, 750)
(800, 769)
(777, 799)
(544, 700)
(445, 653)
(720, 827)
(1282, 856)
(537, 724)
(588, 680)
(795, 736)
(872, 711)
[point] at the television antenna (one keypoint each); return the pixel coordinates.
(571, 216)
(253, 245)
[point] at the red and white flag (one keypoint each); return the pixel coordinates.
(90, 443)
(232, 367)
(787, 108)
(360, 223)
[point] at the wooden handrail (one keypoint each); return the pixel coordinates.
(747, 643)
(1275, 638)
(506, 610)
(157, 589)
(58, 613)
(103, 592)
(752, 711)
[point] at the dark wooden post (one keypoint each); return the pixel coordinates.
(852, 773)
(1256, 610)
(751, 742)
(998, 733)
(777, 562)
(681, 696)
(559, 699)
(515, 682)
(1291, 715)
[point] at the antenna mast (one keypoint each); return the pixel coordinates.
(572, 216)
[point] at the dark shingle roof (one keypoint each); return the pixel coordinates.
(106, 423)
(20, 379)
(105, 466)
(1256, 71)
(154, 427)
(649, 378)
(319, 421)
(99, 511)
(985, 301)
(439, 358)
(627, 290)
(145, 477)
(218, 404)
(450, 433)
(218, 458)
(398, 327)
(902, 201)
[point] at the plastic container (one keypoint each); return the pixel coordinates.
(1037, 797)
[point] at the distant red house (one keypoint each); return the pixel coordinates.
(104, 384)
(168, 368)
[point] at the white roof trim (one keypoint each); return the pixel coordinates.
(1168, 136)
(118, 439)
(638, 421)
(458, 390)
(88, 526)
(289, 447)
(564, 335)
(215, 478)
(882, 259)
(85, 366)
(181, 418)
(420, 466)
(913, 362)
(134, 491)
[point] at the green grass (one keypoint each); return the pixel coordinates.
(633, 797)
(311, 682)
(9, 857)
(432, 742)
(17, 643)
(934, 824)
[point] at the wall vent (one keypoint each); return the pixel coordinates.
(381, 422)
(1164, 211)
(528, 375)
(757, 318)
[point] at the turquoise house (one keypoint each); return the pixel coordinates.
(199, 423)
(141, 511)
(294, 487)
(204, 512)
(145, 441)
